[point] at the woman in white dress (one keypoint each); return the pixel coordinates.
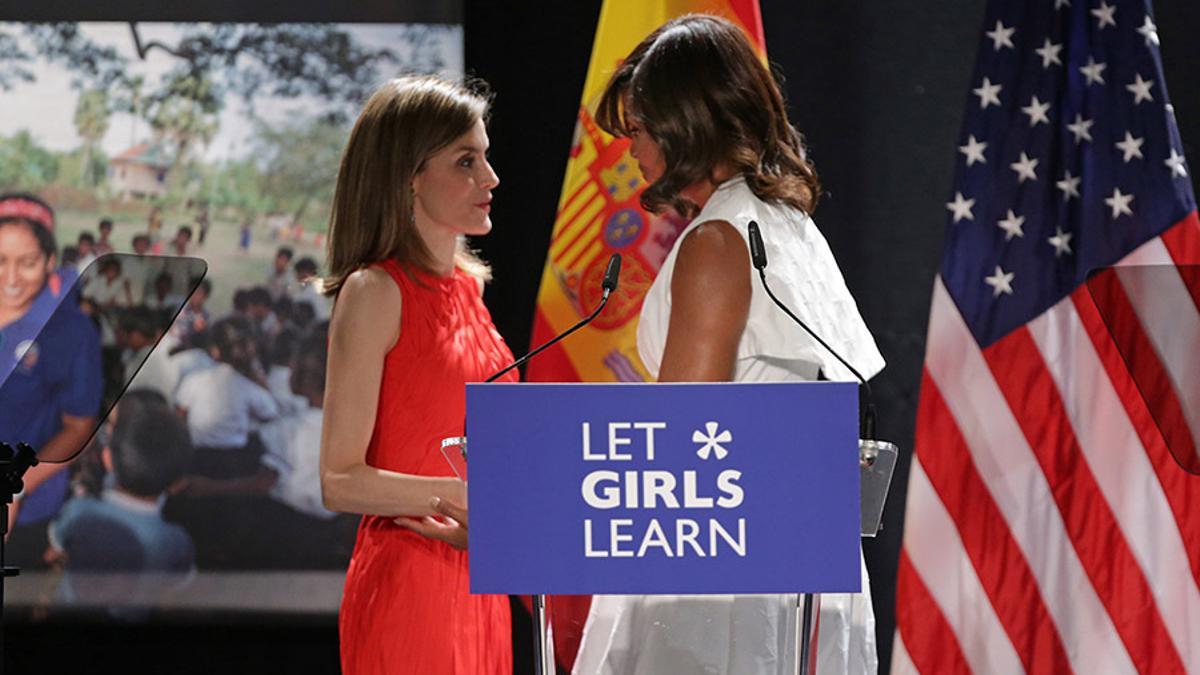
(711, 136)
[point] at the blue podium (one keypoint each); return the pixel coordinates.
(664, 488)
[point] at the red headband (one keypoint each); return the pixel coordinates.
(29, 209)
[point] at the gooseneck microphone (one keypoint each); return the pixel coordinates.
(543, 649)
(758, 256)
(612, 274)
(868, 449)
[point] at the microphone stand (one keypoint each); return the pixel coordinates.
(868, 442)
(543, 648)
(549, 343)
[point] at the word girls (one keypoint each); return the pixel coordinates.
(664, 535)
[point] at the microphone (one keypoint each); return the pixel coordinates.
(758, 256)
(611, 274)
(758, 253)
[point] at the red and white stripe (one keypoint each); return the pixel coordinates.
(1156, 298)
(1047, 528)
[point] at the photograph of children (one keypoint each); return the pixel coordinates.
(125, 147)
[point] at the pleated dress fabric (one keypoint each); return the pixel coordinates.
(406, 606)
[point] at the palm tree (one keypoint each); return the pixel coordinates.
(91, 123)
(129, 100)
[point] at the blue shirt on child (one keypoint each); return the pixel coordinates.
(118, 533)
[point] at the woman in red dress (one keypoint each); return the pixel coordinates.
(409, 329)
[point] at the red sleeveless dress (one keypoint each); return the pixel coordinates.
(406, 606)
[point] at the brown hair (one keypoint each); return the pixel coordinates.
(405, 122)
(706, 99)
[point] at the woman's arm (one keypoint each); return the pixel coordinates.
(38, 474)
(365, 326)
(52, 456)
(710, 303)
(70, 439)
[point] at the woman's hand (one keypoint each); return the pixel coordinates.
(13, 510)
(449, 524)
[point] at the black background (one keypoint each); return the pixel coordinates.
(879, 89)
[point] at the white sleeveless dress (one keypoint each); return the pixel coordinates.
(749, 634)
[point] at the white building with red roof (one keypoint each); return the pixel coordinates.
(140, 172)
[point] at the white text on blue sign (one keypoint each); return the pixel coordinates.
(662, 534)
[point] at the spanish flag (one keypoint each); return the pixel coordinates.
(598, 215)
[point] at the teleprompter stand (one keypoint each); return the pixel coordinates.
(13, 465)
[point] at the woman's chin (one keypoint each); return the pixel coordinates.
(15, 306)
(478, 229)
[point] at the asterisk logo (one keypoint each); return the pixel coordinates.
(711, 441)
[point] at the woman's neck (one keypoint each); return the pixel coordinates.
(442, 246)
(442, 259)
(8, 316)
(702, 190)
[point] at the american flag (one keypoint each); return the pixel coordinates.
(1048, 528)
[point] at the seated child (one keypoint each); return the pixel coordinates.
(223, 404)
(117, 549)
(279, 372)
(293, 444)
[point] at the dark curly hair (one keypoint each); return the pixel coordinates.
(706, 99)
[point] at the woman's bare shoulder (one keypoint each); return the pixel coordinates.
(369, 298)
(370, 285)
(713, 247)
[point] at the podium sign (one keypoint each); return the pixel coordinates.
(664, 488)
